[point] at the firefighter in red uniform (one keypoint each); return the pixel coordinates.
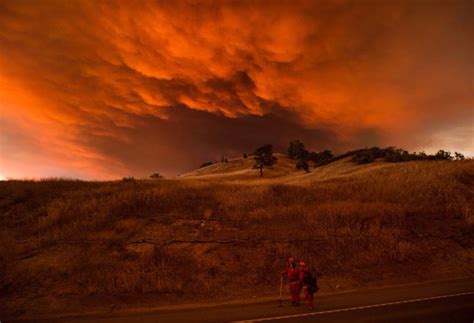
(309, 286)
(293, 275)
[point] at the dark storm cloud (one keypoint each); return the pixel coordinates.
(190, 137)
(105, 88)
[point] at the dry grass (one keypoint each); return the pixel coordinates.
(200, 238)
(242, 169)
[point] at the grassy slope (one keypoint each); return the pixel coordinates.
(241, 169)
(227, 232)
(284, 172)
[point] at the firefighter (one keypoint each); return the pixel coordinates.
(308, 283)
(293, 274)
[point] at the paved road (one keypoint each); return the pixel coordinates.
(435, 302)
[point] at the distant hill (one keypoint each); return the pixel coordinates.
(284, 171)
(360, 161)
(243, 168)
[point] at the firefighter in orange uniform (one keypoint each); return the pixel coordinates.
(293, 274)
(308, 282)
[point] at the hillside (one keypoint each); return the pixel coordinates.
(241, 171)
(222, 232)
(241, 168)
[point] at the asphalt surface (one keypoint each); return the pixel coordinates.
(451, 301)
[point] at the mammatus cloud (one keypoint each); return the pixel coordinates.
(113, 88)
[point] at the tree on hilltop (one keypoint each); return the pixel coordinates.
(320, 157)
(264, 157)
(443, 155)
(459, 156)
(297, 150)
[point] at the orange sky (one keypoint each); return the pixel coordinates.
(105, 89)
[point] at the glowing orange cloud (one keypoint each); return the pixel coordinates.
(106, 89)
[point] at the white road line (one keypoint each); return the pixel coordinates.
(352, 308)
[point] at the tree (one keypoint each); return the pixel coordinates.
(245, 156)
(368, 155)
(302, 164)
(320, 157)
(459, 156)
(264, 157)
(395, 155)
(156, 176)
(443, 155)
(421, 156)
(297, 150)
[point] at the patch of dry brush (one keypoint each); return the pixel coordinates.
(201, 238)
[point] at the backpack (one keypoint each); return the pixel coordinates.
(310, 281)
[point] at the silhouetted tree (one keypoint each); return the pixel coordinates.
(389, 154)
(443, 155)
(225, 160)
(325, 155)
(364, 156)
(395, 155)
(459, 156)
(421, 155)
(264, 157)
(320, 157)
(296, 150)
(245, 156)
(302, 164)
(156, 176)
